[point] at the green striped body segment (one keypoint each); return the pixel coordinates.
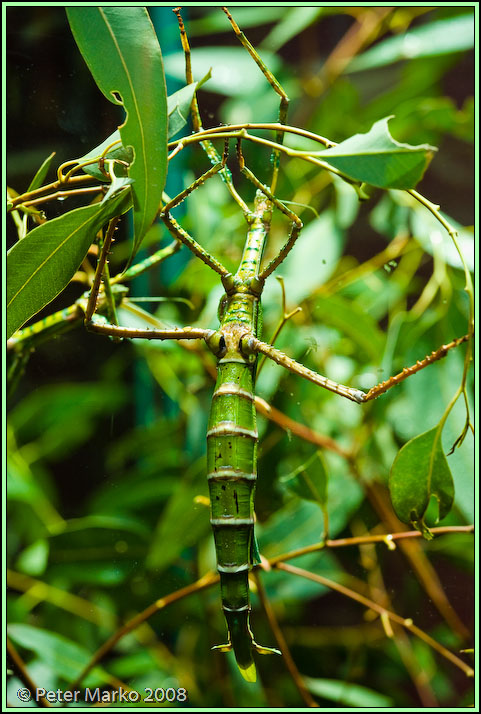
(231, 466)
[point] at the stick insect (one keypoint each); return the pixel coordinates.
(232, 433)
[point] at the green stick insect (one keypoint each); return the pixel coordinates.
(232, 437)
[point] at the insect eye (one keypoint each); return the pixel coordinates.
(216, 344)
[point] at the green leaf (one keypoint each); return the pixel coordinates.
(39, 177)
(309, 481)
(178, 107)
(44, 262)
(420, 470)
(248, 16)
(431, 235)
(64, 657)
(454, 34)
(121, 50)
(182, 524)
(118, 183)
(351, 695)
(353, 320)
(314, 258)
(377, 159)
(23, 485)
(118, 152)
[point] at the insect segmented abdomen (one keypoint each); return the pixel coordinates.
(231, 464)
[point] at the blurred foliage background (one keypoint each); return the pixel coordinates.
(107, 441)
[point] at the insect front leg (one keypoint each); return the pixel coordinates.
(284, 101)
(207, 145)
(296, 223)
(180, 234)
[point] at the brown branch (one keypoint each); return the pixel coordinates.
(377, 591)
(64, 194)
(386, 538)
(26, 197)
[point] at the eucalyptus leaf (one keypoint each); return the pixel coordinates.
(434, 238)
(377, 159)
(245, 16)
(353, 320)
(33, 559)
(60, 417)
(294, 21)
(43, 263)
(118, 183)
(315, 258)
(182, 524)
(178, 107)
(420, 470)
(129, 72)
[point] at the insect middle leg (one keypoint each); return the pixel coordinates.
(296, 223)
(180, 234)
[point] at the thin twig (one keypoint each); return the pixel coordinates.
(386, 538)
(26, 197)
(411, 548)
(268, 126)
(62, 195)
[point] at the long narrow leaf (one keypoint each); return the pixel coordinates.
(39, 177)
(44, 262)
(121, 50)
